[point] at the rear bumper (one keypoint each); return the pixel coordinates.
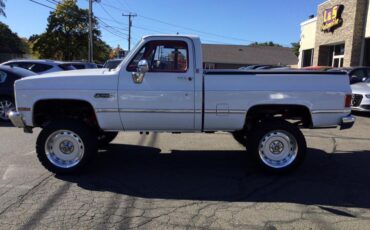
(347, 122)
(16, 119)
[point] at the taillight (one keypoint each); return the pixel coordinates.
(348, 101)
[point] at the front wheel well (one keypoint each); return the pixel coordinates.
(45, 111)
(297, 114)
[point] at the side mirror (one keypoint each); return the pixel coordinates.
(364, 79)
(142, 68)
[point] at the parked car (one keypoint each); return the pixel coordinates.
(82, 65)
(356, 74)
(112, 63)
(40, 66)
(252, 67)
(361, 96)
(8, 76)
(161, 87)
(317, 68)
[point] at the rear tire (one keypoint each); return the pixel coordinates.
(277, 146)
(65, 147)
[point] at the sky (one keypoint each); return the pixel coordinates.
(215, 21)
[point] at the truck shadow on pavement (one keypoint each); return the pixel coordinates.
(340, 179)
(6, 124)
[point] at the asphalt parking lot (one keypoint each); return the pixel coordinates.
(192, 181)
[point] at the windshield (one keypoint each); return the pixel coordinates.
(112, 64)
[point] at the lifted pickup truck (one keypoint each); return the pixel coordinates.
(161, 87)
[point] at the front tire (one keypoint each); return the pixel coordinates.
(277, 146)
(66, 146)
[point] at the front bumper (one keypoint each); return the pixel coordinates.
(16, 118)
(347, 122)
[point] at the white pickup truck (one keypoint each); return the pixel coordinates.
(161, 87)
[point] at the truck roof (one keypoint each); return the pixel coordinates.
(171, 35)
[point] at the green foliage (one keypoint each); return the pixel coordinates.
(10, 42)
(265, 44)
(2, 8)
(66, 35)
(295, 47)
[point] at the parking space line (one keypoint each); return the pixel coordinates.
(8, 171)
(29, 153)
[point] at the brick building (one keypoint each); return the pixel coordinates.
(235, 56)
(339, 36)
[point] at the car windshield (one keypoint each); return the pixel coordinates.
(112, 64)
(67, 67)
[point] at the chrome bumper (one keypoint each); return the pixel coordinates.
(16, 119)
(347, 122)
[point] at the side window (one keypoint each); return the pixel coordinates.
(24, 65)
(37, 68)
(139, 56)
(357, 76)
(3, 76)
(163, 56)
(78, 66)
(367, 72)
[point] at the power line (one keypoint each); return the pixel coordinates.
(100, 4)
(109, 29)
(198, 31)
(41, 4)
(183, 27)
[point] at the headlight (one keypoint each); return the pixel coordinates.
(368, 96)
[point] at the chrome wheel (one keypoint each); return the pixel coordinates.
(6, 106)
(278, 149)
(64, 149)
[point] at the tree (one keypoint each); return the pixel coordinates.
(117, 52)
(2, 8)
(10, 42)
(66, 35)
(296, 47)
(270, 43)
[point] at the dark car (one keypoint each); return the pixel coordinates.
(112, 63)
(82, 65)
(356, 74)
(8, 75)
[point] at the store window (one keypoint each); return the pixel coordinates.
(307, 58)
(338, 55)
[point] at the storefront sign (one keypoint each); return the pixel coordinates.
(332, 18)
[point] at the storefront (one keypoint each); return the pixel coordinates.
(339, 36)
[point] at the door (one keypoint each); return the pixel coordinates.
(165, 98)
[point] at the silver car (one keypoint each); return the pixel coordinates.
(40, 66)
(361, 96)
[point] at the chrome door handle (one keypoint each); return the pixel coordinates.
(185, 78)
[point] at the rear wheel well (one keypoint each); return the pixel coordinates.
(45, 111)
(297, 114)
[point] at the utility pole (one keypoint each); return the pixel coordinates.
(90, 55)
(130, 15)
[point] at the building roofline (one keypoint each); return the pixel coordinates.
(324, 3)
(309, 21)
